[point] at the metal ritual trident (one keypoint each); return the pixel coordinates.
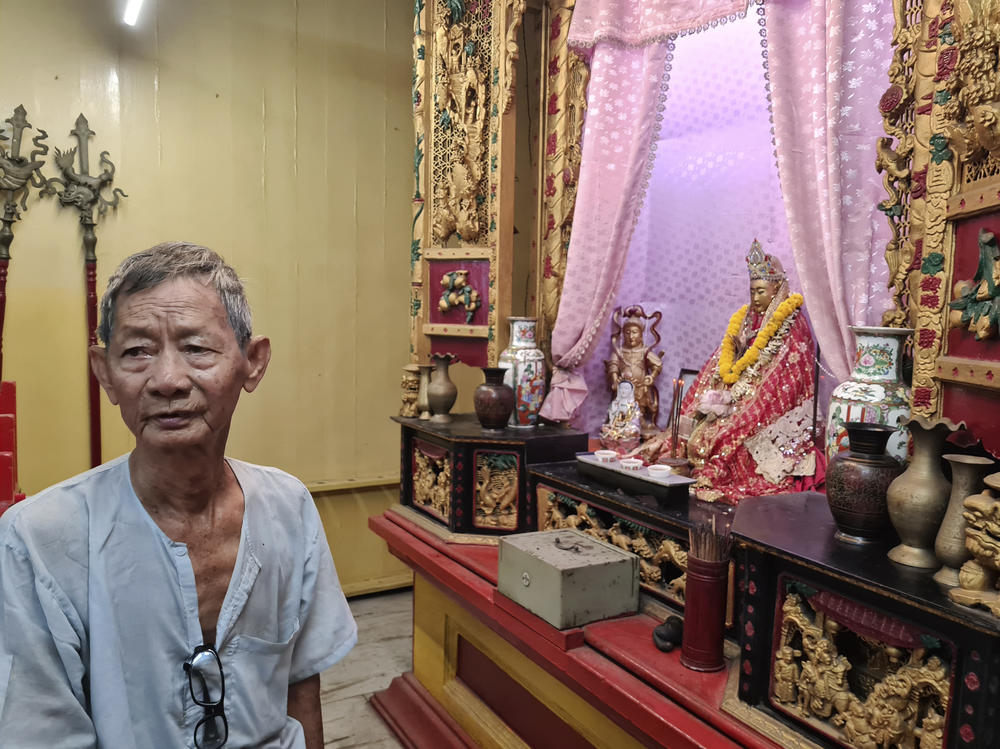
(83, 190)
(17, 174)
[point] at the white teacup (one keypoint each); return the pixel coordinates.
(606, 456)
(631, 464)
(659, 471)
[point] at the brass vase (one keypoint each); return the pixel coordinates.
(423, 405)
(967, 472)
(919, 497)
(441, 392)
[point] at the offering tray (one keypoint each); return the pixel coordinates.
(670, 487)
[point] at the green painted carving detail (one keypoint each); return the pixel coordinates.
(945, 35)
(418, 158)
(942, 97)
(456, 10)
(973, 308)
(414, 306)
(939, 148)
(499, 461)
(933, 263)
(794, 586)
(418, 6)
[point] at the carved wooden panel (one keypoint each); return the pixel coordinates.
(941, 167)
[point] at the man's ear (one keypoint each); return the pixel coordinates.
(99, 366)
(258, 355)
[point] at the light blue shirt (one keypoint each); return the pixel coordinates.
(98, 611)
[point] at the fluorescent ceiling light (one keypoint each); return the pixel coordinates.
(132, 11)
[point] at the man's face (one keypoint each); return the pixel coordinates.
(761, 294)
(174, 368)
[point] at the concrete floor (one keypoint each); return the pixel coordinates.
(384, 651)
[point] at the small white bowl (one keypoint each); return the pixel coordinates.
(606, 456)
(658, 470)
(631, 464)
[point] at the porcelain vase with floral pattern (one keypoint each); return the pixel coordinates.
(525, 365)
(874, 393)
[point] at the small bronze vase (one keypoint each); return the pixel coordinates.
(441, 392)
(857, 480)
(493, 400)
(967, 472)
(919, 497)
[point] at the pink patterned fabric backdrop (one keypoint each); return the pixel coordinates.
(714, 188)
(828, 61)
(625, 103)
(639, 22)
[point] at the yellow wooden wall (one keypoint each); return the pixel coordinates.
(277, 132)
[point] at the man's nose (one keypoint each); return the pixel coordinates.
(169, 375)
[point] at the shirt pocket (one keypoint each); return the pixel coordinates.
(244, 643)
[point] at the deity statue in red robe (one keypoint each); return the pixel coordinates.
(746, 422)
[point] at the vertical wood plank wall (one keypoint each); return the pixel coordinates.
(277, 132)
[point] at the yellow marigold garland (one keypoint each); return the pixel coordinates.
(729, 370)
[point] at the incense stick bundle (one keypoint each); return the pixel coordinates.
(708, 544)
(675, 416)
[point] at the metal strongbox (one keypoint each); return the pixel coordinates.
(568, 578)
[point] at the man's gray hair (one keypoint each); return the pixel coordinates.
(171, 260)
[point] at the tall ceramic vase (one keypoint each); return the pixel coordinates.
(967, 473)
(919, 497)
(874, 393)
(525, 365)
(441, 392)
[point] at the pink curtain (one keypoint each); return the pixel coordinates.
(713, 190)
(629, 43)
(828, 61)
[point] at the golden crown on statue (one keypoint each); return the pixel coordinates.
(763, 267)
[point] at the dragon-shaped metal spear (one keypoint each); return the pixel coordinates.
(82, 190)
(17, 174)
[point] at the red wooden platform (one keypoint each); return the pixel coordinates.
(612, 664)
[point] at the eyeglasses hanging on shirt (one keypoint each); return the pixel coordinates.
(208, 690)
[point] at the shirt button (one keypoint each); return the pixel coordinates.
(180, 551)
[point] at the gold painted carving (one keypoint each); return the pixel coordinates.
(514, 11)
(977, 302)
(457, 292)
(462, 48)
(899, 700)
(662, 560)
(418, 97)
(432, 483)
(410, 387)
(970, 95)
(893, 161)
(934, 178)
(564, 105)
(978, 577)
(496, 490)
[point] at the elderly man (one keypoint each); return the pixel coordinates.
(172, 597)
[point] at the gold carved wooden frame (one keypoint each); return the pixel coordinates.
(940, 163)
